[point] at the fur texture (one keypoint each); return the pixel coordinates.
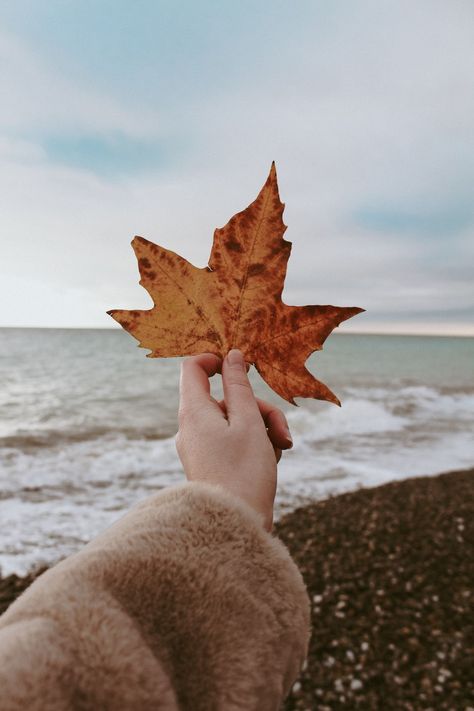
(185, 603)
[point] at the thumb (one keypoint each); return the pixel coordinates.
(238, 394)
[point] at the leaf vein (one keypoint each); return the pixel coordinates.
(290, 331)
(199, 313)
(244, 285)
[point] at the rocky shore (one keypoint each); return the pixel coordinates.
(390, 573)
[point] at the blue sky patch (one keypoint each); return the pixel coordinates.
(445, 220)
(111, 156)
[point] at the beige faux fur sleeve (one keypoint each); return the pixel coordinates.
(185, 603)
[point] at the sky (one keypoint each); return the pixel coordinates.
(161, 119)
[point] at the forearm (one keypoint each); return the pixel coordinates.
(191, 576)
(232, 610)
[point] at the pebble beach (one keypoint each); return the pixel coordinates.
(390, 572)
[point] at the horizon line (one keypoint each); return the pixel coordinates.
(334, 332)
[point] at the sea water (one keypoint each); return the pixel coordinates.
(87, 427)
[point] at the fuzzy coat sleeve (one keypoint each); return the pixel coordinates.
(185, 603)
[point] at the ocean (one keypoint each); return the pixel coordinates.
(87, 427)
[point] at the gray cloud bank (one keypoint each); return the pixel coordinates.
(369, 116)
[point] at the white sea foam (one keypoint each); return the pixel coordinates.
(78, 451)
(356, 417)
(56, 498)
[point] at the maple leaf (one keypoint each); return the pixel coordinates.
(235, 302)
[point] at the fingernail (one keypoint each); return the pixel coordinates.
(235, 357)
(289, 438)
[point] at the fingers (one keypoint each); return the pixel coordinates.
(239, 400)
(222, 406)
(275, 422)
(238, 394)
(194, 388)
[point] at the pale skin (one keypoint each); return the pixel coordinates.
(236, 442)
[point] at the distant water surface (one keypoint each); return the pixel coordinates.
(87, 425)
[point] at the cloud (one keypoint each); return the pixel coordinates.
(367, 111)
(37, 98)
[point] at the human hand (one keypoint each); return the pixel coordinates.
(235, 443)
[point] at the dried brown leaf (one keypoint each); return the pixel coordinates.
(235, 302)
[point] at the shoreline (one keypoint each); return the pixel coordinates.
(390, 574)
